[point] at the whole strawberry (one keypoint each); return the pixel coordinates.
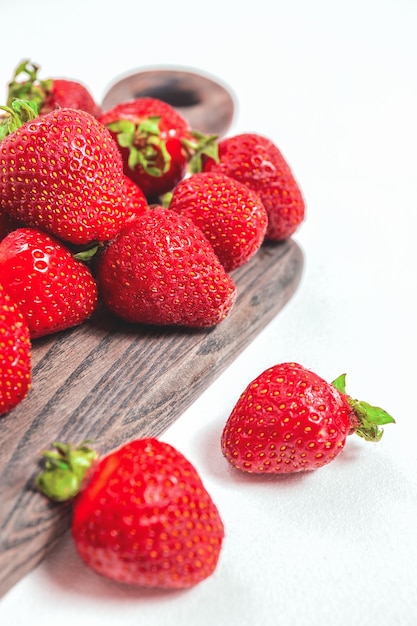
(161, 270)
(289, 420)
(61, 172)
(15, 354)
(51, 93)
(257, 162)
(230, 214)
(149, 133)
(142, 516)
(53, 290)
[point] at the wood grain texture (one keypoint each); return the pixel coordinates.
(111, 382)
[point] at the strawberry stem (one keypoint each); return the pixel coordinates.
(87, 255)
(25, 84)
(146, 148)
(20, 112)
(201, 145)
(368, 418)
(65, 469)
(165, 199)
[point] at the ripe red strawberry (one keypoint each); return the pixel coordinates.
(149, 133)
(51, 93)
(15, 354)
(143, 515)
(62, 172)
(53, 290)
(230, 214)
(162, 270)
(289, 419)
(257, 162)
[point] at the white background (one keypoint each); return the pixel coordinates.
(334, 85)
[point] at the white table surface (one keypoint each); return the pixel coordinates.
(334, 85)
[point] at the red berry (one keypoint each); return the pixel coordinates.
(53, 290)
(15, 354)
(143, 515)
(62, 172)
(230, 214)
(149, 133)
(50, 93)
(289, 420)
(257, 162)
(134, 199)
(162, 270)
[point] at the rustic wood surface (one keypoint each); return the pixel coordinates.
(110, 382)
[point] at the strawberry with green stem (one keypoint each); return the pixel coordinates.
(156, 143)
(289, 419)
(141, 514)
(51, 93)
(230, 214)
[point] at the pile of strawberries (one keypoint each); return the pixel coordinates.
(133, 208)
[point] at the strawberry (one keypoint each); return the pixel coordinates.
(61, 172)
(257, 162)
(161, 269)
(15, 354)
(289, 420)
(142, 515)
(51, 93)
(53, 290)
(156, 143)
(149, 133)
(230, 214)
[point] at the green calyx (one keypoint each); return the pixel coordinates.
(88, 254)
(18, 113)
(368, 418)
(165, 199)
(146, 148)
(25, 84)
(199, 146)
(64, 471)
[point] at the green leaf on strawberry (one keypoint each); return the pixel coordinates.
(152, 150)
(145, 145)
(18, 113)
(369, 417)
(201, 145)
(26, 85)
(50, 93)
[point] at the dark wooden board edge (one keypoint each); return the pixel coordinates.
(111, 382)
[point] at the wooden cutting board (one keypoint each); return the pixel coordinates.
(111, 382)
